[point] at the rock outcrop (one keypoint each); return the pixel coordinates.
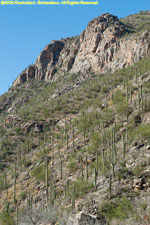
(85, 219)
(104, 46)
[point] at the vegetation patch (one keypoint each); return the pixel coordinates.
(39, 172)
(6, 219)
(81, 187)
(119, 209)
(142, 132)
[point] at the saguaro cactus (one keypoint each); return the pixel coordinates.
(73, 198)
(46, 176)
(87, 171)
(81, 167)
(127, 94)
(95, 178)
(15, 177)
(124, 146)
(136, 72)
(97, 160)
(6, 202)
(30, 203)
(5, 180)
(110, 185)
(141, 95)
(17, 215)
(131, 93)
(67, 139)
(61, 169)
(73, 137)
(113, 152)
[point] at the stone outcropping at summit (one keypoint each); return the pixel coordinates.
(105, 45)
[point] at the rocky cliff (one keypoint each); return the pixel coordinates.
(107, 44)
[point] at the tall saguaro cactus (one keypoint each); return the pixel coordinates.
(95, 178)
(15, 177)
(61, 170)
(87, 171)
(6, 202)
(47, 183)
(136, 75)
(110, 185)
(73, 198)
(73, 137)
(30, 203)
(113, 152)
(124, 146)
(67, 139)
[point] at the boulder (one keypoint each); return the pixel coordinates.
(85, 219)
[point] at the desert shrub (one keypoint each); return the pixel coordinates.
(72, 165)
(146, 105)
(84, 122)
(81, 187)
(3, 183)
(143, 206)
(39, 172)
(6, 219)
(23, 195)
(106, 115)
(120, 102)
(94, 118)
(26, 162)
(142, 132)
(40, 215)
(119, 209)
(138, 169)
(42, 154)
(123, 172)
(2, 131)
(95, 142)
(46, 111)
(18, 130)
(100, 165)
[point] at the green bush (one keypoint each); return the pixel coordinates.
(120, 102)
(142, 132)
(100, 165)
(72, 165)
(42, 154)
(106, 115)
(6, 219)
(18, 130)
(25, 162)
(81, 187)
(23, 195)
(146, 105)
(120, 209)
(123, 172)
(138, 169)
(2, 131)
(84, 122)
(3, 182)
(143, 206)
(39, 172)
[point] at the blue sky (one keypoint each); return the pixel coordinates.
(26, 30)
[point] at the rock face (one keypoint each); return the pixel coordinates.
(85, 219)
(102, 47)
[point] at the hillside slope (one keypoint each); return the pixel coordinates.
(77, 150)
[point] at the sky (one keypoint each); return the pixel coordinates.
(25, 30)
